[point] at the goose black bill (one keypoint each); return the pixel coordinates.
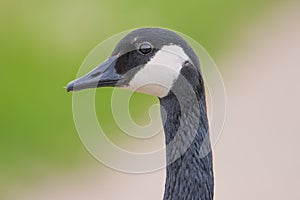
(102, 76)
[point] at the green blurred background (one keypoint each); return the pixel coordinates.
(42, 46)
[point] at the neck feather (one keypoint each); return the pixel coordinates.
(189, 175)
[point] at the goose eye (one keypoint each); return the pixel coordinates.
(145, 48)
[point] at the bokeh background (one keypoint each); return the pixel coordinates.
(254, 43)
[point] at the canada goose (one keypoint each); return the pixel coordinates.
(159, 62)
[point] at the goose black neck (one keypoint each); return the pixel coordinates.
(189, 170)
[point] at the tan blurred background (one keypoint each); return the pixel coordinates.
(257, 156)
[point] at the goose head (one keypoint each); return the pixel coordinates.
(147, 60)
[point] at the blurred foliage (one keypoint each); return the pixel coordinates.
(42, 46)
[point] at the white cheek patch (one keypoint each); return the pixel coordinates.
(158, 75)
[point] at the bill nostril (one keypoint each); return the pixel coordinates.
(95, 74)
